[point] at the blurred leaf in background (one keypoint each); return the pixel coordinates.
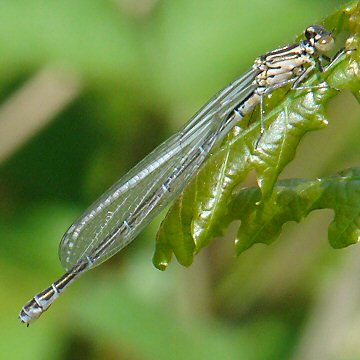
(90, 87)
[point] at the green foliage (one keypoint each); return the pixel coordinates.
(145, 67)
(292, 200)
(206, 207)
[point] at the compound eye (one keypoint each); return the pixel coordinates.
(325, 44)
(310, 32)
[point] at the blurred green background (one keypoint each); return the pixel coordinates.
(88, 88)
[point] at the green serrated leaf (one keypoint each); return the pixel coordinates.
(290, 115)
(171, 236)
(293, 200)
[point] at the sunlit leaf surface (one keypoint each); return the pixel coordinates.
(293, 200)
(198, 215)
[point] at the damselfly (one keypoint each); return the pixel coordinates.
(115, 219)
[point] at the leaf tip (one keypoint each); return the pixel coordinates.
(161, 259)
(162, 266)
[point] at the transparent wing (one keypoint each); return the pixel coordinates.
(117, 217)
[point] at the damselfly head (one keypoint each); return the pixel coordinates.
(320, 38)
